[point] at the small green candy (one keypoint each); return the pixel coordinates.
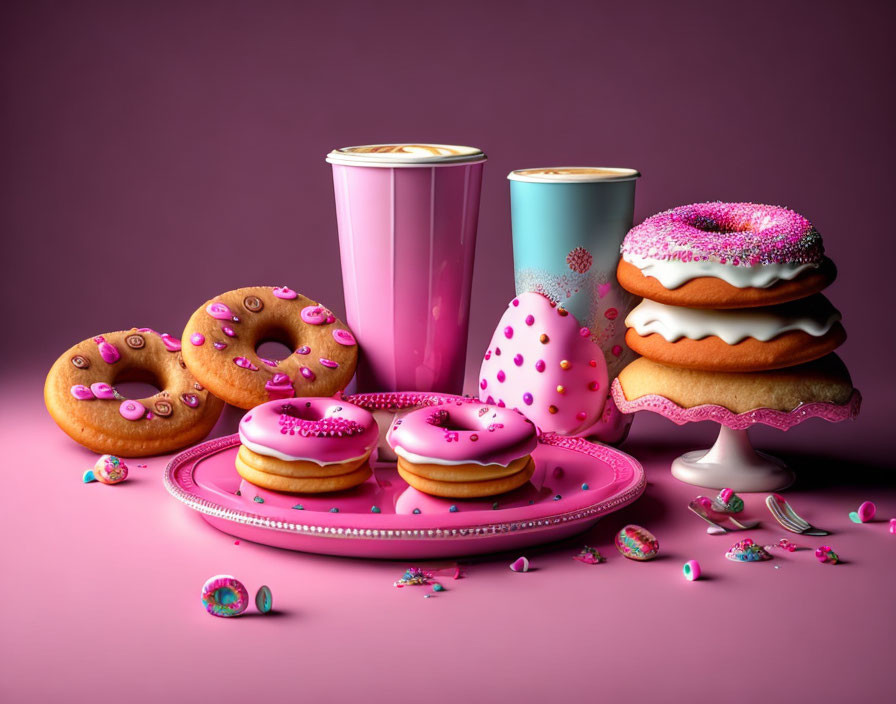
(585, 487)
(452, 508)
(438, 587)
(374, 509)
(334, 510)
(258, 500)
(299, 507)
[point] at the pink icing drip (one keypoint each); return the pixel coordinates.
(307, 373)
(102, 390)
(304, 349)
(329, 363)
(227, 330)
(269, 362)
(343, 337)
(172, 344)
(317, 315)
(82, 393)
(739, 234)
(107, 350)
(245, 364)
(220, 345)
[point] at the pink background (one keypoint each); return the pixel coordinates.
(157, 154)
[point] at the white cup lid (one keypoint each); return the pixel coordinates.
(573, 174)
(410, 154)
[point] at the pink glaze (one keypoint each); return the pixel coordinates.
(219, 311)
(321, 430)
(220, 345)
(343, 337)
(269, 362)
(197, 339)
(317, 315)
(307, 373)
(227, 330)
(102, 390)
(548, 370)
(279, 387)
(284, 292)
(304, 349)
(329, 363)
(172, 344)
(82, 393)
(108, 351)
(132, 410)
(739, 234)
(463, 433)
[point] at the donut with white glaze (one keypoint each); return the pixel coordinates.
(306, 446)
(724, 255)
(464, 449)
(742, 340)
(81, 397)
(222, 336)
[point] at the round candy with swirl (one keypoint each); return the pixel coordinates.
(724, 255)
(224, 596)
(637, 543)
(222, 336)
(81, 396)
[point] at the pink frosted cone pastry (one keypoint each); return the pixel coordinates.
(306, 446)
(464, 450)
(541, 362)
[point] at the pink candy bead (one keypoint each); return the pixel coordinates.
(343, 337)
(102, 390)
(82, 393)
(132, 410)
(284, 292)
(197, 339)
(219, 311)
(172, 344)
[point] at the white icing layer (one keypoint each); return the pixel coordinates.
(672, 273)
(420, 459)
(269, 452)
(814, 315)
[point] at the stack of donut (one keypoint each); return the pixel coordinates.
(732, 312)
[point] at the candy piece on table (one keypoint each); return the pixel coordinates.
(107, 470)
(542, 362)
(225, 596)
(747, 551)
(691, 570)
(521, 564)
(637, 543)
(413, 577)
(864, 514)
(264, 601)
(893, 526)
(825, 554)
(590, 556)
(728, 502)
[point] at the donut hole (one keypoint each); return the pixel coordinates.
(136, 389)
(443, 418)
(303, 411)
(718, 225)
(136, 383)
(275, 349)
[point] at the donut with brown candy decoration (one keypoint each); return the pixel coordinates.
(221, 338)
(81, 397)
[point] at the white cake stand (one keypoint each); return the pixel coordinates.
(732, 462)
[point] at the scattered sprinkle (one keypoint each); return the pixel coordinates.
(416, 511)
(590, 556)
(521, 564)
(452, 508)
(334, 510)
(585, 487)
(374, 509)
(258, 500)
(299, 507)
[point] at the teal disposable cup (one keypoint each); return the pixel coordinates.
(568, 225)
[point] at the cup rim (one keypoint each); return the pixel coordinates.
(607, 174)
(345, 155)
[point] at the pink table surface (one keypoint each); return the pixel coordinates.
(101, 592)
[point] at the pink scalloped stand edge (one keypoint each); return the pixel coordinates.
(732, 462)
(782, 420)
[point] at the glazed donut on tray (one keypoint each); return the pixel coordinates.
(464, 450)
(81, 397)
(306, 446)
(221, 339)
(724, 255)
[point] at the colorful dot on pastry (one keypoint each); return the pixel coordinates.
(334, 510)
(527, 398)
(299, 507)
(565, 364)
(540, 365)
(552, 409)
(544, 339)
(483, 383)
(497, 350)
(416, 511)
(581, 415)
(584, 332)
(508, 332)
(515, 302)
(562, 311)
(474, 437)
(501, 375)
(530, 320)
(593, 386)
(561, 389)
(518, 360)
(258, 500)
(374, 509)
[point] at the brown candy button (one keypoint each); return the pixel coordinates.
(135, 342)
(80, 362)
(253, 303)
(163, 408)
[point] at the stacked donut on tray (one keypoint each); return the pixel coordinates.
(732, 312)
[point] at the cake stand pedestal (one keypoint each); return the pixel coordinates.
(732, 462)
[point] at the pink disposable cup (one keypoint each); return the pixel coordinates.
(407, 217)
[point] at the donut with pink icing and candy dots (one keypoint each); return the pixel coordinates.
(82, 398)
(221, 339)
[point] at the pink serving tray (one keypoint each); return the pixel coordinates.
(552, 506)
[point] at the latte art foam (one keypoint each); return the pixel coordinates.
(566, 174)
(404, 154)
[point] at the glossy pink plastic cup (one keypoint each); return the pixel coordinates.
(407, 217)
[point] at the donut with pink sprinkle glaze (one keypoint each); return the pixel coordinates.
(724, 255)
(464, 449)
(82, 398)
(542, 363)
(307, 445)
(221, 338)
